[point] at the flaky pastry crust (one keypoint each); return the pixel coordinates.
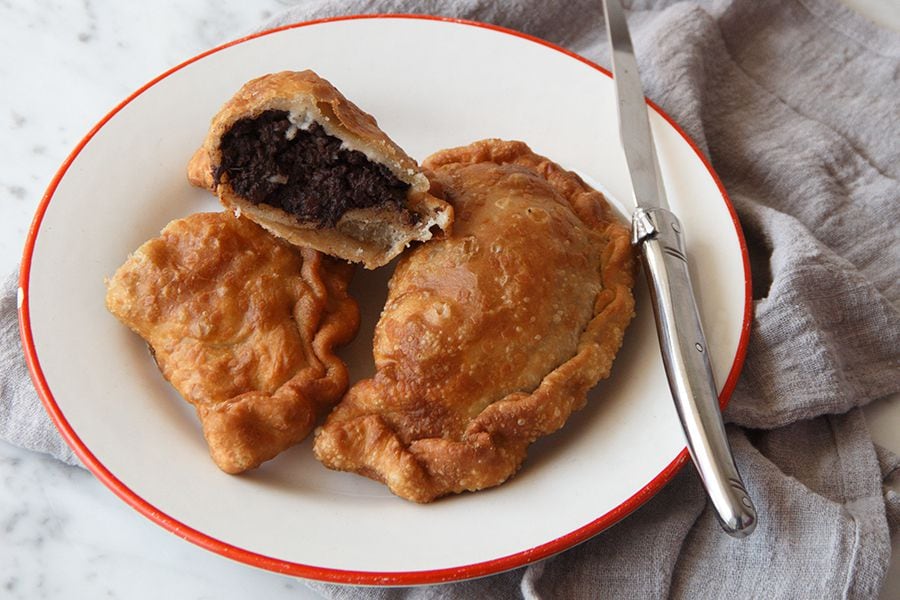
(490, 338)
(244, 326)
(370, 236)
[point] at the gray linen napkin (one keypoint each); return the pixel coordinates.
(23, 420)
(796, 104)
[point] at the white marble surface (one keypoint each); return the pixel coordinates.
(65, 64)
(64, 535)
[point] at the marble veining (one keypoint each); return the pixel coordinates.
(65, 65)
(64, 535)
(73, 62)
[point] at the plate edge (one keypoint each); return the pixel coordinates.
(443, 575)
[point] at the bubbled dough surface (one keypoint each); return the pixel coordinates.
(308, 97)
(494, 309)
(243, 326)
(490, 338)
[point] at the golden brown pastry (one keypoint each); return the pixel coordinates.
(492, 337)
(290, 152)
(244, 326)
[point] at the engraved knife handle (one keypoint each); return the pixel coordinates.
(685, 355)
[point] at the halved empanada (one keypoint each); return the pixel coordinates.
(492, 337)
(244, 326)
(290, 152)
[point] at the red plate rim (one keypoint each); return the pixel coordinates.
(400, 578)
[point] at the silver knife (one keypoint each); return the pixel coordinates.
(658, 234)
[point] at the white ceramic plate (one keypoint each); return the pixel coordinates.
(432, 84)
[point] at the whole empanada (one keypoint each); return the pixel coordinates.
(244, 326)
(492, 337)
(290, 152)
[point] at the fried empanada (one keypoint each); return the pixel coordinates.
(244, 326)
(290, 152)
(490, 338)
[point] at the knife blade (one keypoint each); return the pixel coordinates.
(658, 233)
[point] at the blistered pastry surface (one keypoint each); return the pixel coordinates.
(244, 326)
(306, 96)
(492, 337)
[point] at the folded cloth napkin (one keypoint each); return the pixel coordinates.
(796, 105)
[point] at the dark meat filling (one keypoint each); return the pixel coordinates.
(308, 175)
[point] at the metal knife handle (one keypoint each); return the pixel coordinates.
(658, 233)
